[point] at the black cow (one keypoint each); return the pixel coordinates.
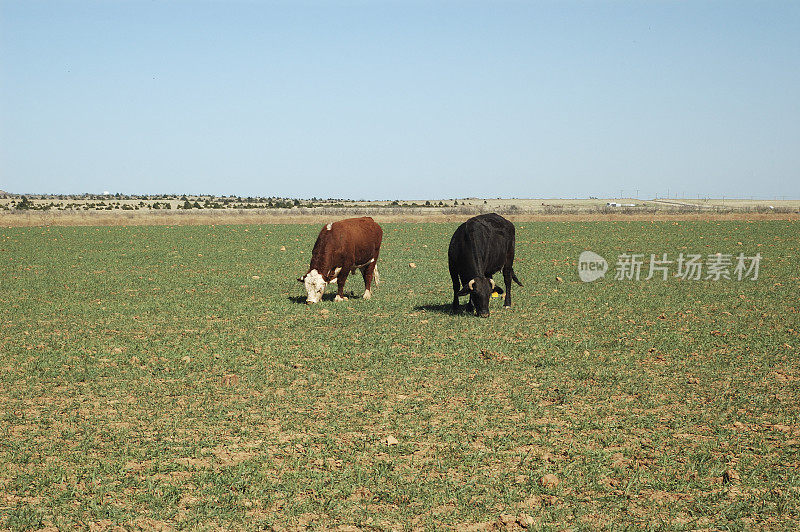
(481, 247)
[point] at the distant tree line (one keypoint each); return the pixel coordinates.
(132, 202)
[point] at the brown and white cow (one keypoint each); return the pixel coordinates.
(341, 248)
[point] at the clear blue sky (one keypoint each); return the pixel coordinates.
(390, 99)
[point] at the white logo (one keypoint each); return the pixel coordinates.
(591, 266)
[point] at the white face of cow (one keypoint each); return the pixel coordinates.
(315, 286)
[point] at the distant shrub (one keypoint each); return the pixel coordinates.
(24, 204)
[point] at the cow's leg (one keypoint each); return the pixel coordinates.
(456, 289)
(368, 272)
(507, 280)
(341, 278)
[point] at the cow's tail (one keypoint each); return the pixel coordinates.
(375, 277)
(514, 277)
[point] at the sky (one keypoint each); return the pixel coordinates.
(401, 99)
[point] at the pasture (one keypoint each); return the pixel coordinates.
(163, 376)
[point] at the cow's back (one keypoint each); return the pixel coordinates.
(364, 235)
(487, 240)
(349, 242)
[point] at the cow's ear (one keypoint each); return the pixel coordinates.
(467, 289)
(497, 290)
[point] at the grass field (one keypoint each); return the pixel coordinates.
(172, 377)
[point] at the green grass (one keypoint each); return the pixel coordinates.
(172, 375)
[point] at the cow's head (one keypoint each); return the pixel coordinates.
(480, 290)
(315, 286)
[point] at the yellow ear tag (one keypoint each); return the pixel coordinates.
(495, 294)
